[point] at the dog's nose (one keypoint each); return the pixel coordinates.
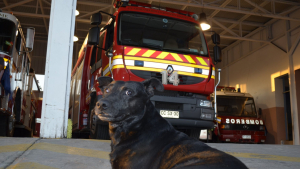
(103, 104)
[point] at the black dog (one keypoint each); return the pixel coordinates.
(142, 139)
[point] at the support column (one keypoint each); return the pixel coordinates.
(292, 84)
(58, 69)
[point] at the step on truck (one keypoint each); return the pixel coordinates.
(238, 119)
(138, 42)
(17, 104)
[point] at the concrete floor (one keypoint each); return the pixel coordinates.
(35, 153)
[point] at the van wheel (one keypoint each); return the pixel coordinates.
(195, 133)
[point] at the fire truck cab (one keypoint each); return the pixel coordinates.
(141, 41)
(238, 120)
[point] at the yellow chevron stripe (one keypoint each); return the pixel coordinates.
(159, 70)
(165, 61)
(162, 55)
(177, 58)
(148, 53)
(189, 59)
(202, 61)
(134, 51)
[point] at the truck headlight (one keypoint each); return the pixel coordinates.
(205, 103)
(261, 127)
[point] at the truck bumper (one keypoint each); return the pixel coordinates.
(191, 114)
(190, 123)
(239, 138)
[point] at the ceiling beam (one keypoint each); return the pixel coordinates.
(238, 22)
(15, 4)
(33, 15)
(90, 3)
(258, 7)
(229, 10)
(285, 2)
(91, 13)
(44, 19)
(241, 19)
(46, 2)
(217, 11)
(224, 27)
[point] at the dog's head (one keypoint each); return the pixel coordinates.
(123, 100)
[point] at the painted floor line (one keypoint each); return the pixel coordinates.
(265, 156)
(105, 155)
(31, 165)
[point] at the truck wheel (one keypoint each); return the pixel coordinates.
(102, 132)
(98, 131)
(195, 133)
(11, 126)
(3, 125)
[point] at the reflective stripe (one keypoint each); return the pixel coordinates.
(134, 51)
(177, 58)
(38, 120)
(189, 59)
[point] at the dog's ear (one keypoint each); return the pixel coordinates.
(104, 81)
(151, 84)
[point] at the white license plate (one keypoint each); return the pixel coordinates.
(246, 136)
(169, 114)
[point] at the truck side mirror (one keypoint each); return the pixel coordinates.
(109, 52)
(93, 37)
(30, 38)
(216, 38)
(96, 19)
(217, 54)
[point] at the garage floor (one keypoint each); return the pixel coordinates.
(35, 153)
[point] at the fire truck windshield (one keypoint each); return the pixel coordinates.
(7, 35)
(236, 106)
(161, 33)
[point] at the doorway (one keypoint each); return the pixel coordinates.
(287, 108)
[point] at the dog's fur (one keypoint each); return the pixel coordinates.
(142, 139)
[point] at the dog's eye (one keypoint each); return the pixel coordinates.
(107, 90)
(128, 92)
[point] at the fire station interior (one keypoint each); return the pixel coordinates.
(260, 56)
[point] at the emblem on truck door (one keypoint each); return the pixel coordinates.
(170, 75)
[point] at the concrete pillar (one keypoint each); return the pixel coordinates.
(58, 69)
(292, 84)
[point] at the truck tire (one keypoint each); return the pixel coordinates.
(3, 125)
(10, 126)
(102, 132)
(195, 133)
(98, 131)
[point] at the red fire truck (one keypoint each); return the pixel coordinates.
(17, 104)
(237, 120)
(141, 41)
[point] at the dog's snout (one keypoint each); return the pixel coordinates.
(103, 104)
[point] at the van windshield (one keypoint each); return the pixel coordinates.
(161, 33)
(7, 35)
(236, 106)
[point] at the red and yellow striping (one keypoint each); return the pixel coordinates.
(144, 52)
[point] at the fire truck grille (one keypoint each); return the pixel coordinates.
(184, 80)
(168, 106)
(248, 127)
(169, 93)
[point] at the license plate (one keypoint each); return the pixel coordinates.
(246, 136)
(169, 114)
